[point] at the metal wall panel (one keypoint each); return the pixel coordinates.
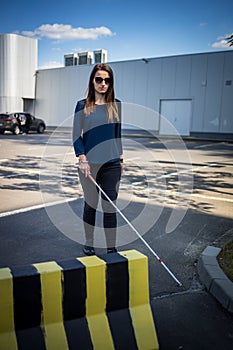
(125, 76)
(182, 76)
(58, 91)
(175, 117)
(198, 84)
(212, 108)
(154, 83)
(226, 110)
(168, 77)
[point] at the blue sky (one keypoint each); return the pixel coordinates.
(127, 29)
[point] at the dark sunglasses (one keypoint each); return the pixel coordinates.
(99, 80)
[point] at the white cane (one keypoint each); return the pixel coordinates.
(134, 229)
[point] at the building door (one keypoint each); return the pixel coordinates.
(28, 104)
(175, 117)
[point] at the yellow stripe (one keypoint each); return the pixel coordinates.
(140, 310)
(96, 303)
(144, 328)
(7, 334)
(52, 316)
(138, 271)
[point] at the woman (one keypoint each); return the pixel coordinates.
(97, 144)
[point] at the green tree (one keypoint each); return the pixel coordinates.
(230, 40)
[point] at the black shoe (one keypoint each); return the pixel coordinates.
(111, 250)
(87, 250)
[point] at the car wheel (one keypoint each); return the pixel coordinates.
(16, 130)
(40, 129)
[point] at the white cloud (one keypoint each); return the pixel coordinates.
(67, 32)
(221, 42)
(57, 49)
(51, 64)
(202, 24)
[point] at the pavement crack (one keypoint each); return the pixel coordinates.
(195, 287)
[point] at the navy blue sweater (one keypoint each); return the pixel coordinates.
(94, 136)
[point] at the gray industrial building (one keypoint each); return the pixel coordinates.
(18, 64)
(192, 92)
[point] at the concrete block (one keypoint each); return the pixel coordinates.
(208, 273)
(88, 302)
(208, 259)
(230, 306)
(211, 251)
(222, 290)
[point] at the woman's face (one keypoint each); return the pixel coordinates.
(101, 81)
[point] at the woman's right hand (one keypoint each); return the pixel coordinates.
(85, 168)
(84, 165)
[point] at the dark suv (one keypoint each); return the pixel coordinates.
(21, 122)
(9, 123)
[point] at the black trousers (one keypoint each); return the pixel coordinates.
(108, 178)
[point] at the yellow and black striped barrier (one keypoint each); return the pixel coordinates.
(85, 303)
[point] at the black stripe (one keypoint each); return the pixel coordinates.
(27, 297)
(122, 330)
(117, 282)
(117, 290)
(32, 338)
(74, 289)
(78, 334)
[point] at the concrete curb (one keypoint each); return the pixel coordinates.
(214, 279)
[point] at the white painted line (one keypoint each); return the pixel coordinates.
(34, 207)
(59, 144)
(177, 194)
(222, 199)
(181, 194)
(206, 145)
(22, 172)
(52, 155)
(56, 155)
(18, 170)
(132, 159)
(164, 176)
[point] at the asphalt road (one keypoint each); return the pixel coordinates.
(178, 196)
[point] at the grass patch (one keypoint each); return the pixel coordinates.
(225, 260)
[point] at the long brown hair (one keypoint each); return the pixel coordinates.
(110, 101)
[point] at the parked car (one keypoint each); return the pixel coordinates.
(9, 122)
(21, 122)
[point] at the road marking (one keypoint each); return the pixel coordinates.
(186, 195)
(211, 144)
(34, 207)
(206, 145)
(186, 171)
(56, 155)
(132, 159)
(213, 198)
(22, 172)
